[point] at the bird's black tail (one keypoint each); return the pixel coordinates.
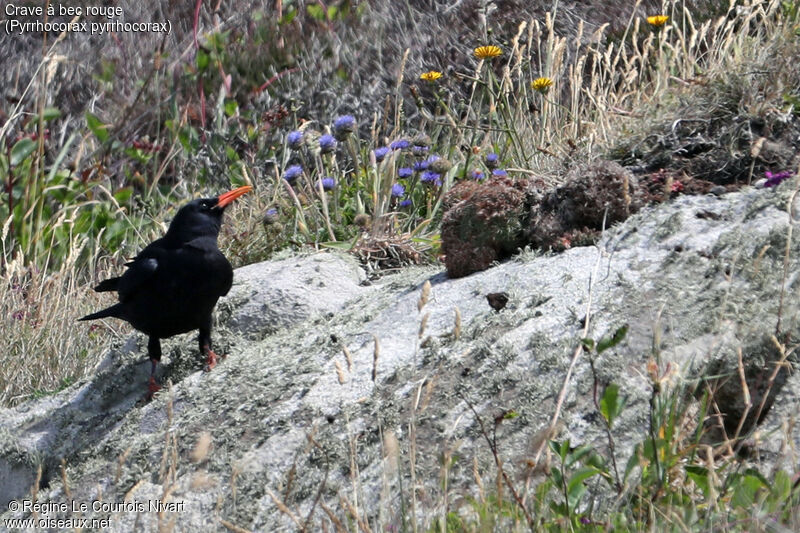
(107, 285)
(112, 311)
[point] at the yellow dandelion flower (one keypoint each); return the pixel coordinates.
(487, 52)
(431, 75)
(657, 20)
(542, 85)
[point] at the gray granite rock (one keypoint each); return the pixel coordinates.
(287, 417)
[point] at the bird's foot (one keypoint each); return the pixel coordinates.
(211, 359)
(152, 389)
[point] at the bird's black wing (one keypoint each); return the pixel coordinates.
(139, 272)
(141, 269)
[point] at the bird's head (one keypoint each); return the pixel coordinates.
(203, 217)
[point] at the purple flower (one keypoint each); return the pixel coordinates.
(295, 139)
(328, 183)
(774, 179)
(327, 143)
(431, 178)
(420, 166)
(270, 216)
(499, 172)
(400, 144)
(398, 190)
(405, 203)
(477, 175)
(419, 149)
(292, 173)
(404, 172)
(380, 153)
(345, 123)
(491, 160)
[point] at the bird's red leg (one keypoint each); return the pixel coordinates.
(154, 351)
(211, 358)
(152, 386)
(205, 347)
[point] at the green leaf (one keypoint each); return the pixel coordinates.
(83, 222)
(123, 195)
(579, 476)
(230, 107)
(558, 478)
(559, 508)
(289, 16)
(560, 448)
(22, 150)
(201, 60)
(231, 154)
(699, 474)
(577, 454)
(611, 405)
(99, 129)
(50, 113)
(316, 12)
(745, 488)
(341, 245)
(575, 494)
(588, 344)
(615, 339)
(633, 461)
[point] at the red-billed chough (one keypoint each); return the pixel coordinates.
(172, 286)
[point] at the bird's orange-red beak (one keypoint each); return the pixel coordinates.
(228, 197)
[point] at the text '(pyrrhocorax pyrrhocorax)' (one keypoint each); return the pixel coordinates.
(172, 286)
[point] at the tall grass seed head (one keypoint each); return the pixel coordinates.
(487, 52)
(431, 76)
(542, 85)
(362, 220)
(440, 165)
(327, 143)
(421, 140)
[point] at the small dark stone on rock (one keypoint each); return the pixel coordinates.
(497, 300)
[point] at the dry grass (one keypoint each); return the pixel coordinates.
(45, 348)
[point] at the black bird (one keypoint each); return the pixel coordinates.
(172, 286)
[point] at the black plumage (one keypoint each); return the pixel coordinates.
(172, 286)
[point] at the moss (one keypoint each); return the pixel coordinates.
(669, 227)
